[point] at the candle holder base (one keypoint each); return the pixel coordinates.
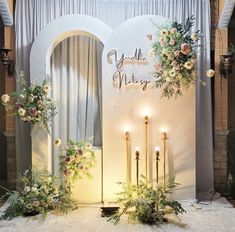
(107, 211)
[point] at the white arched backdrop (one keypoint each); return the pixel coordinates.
(32, 16)
(40, 56)
(123, 106)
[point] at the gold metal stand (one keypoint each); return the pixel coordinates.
(164, 138)
(146, 146)
(128, 173)
(157, 160)
(137, 158)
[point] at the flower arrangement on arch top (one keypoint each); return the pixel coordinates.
(176, 49)
(31, 102)
(76, 160)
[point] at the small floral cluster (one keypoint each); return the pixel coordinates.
(76, 160)
(176, 50)
(39, 194)
(31, 103)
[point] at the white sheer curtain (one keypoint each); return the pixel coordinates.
(76, 81)
(32, 15)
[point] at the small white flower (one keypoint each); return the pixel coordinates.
(172, 73)
(162, 40)
(176, 53)
(21, 111)
(88, 145)
(31, 99)
(168, 79)
(5, 98)
(36, 203)
(46, 88)
(34, 189)
(194, 37)
(27, 189)
(172, 42)
(164, 32)
(29, 206)
(57, 142)
(21, 96)
(29, 118)
(210, 73)
(173, 30)
(50, 199)
(165, 73)
(188, 65)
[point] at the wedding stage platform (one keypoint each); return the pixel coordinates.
(215, 217)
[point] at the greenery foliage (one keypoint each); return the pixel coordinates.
(39, 194)
(176, 49)
(147, 203)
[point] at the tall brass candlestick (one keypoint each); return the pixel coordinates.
(157, 160)
(164, 138)
(146, 146)
(128, 173)
(137, 158)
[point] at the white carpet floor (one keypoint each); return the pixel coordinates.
(219, 216)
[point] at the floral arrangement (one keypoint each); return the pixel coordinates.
(148, 203)
(39, 194)
(31, 103)
(176, 49)
(76, 160)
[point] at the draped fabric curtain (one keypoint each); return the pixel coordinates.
(32, 15)
(76, 81)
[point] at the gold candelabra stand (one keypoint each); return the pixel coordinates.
(146, 119)
(164, 139)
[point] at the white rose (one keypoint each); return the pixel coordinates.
(5, 98)
(21, 112)
(46, 88)
(210, 73)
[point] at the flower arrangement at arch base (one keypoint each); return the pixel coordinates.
(41, 192)
(31, 102)
(38, 193)
(148, 203)
(76, 160)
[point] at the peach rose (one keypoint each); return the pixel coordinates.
(185, 48)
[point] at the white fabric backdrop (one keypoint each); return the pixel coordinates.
(32, 15)
(76, 80)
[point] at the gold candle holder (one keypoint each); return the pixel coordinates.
(164, 138)
(137, 158)
(128, 173)
(146, 146)
(157, 149)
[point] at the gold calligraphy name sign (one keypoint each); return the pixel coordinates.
(122, 79)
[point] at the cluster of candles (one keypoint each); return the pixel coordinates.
(137, 156)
